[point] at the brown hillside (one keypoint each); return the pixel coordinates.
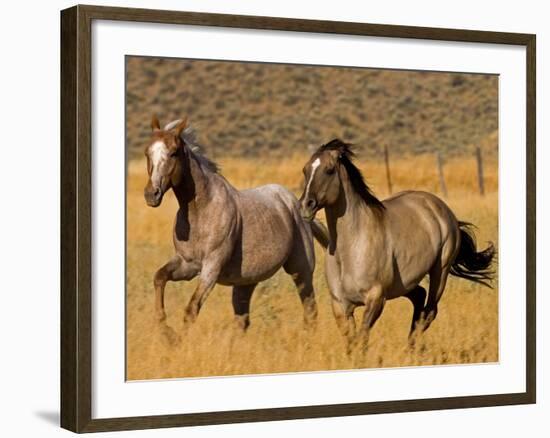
(251, 108)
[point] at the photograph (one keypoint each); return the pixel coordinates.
(285, 218)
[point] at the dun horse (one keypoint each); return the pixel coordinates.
(382, 250)
(223, 235)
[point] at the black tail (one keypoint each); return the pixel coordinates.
(471, 264)
(320, 232)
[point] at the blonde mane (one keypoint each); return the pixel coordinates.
(189, 137)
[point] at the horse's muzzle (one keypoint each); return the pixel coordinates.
(153, 197)
(308, 209)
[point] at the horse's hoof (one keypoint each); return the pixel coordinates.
(241, 323)
(356, 348)
(310, 326)
(169, 335)
(174, 339)
(187, 323)
(161, 316)
(188, 319)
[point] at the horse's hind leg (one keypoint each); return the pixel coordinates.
(300, 265)
(438, 281)
(302, 275)
(241, 304)
(304, 284)
(418, 299)
(438, 276)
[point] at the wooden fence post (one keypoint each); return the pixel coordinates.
(441, 176)
(388, 175)
(480, 172)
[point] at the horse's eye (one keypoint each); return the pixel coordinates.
(174, 154)
(330, 171)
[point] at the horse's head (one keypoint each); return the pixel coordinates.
(164, 163)
(322, 179)
(325, 171)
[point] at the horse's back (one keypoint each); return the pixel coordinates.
(272, 205)
(426, 205)
(299, 231)
(267, 232)
(271, 195)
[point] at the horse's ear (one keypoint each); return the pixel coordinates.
(180, 127)
(155, 124)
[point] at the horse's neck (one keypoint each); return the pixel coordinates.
(196, 186)
(348, 218)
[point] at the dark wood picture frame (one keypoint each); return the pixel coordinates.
(76, 214)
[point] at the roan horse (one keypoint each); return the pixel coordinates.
(382, 250)
(224, 235)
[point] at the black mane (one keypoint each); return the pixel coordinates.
(357, 181)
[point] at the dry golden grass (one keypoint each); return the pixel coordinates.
(465, 331)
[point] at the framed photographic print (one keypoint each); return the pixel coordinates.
(269, 218)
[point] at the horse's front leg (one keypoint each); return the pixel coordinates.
(374, 304)
(207, 281)
(343, 314)
(342, 308)
(175, 270)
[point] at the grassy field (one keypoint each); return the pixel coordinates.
(465, 331)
